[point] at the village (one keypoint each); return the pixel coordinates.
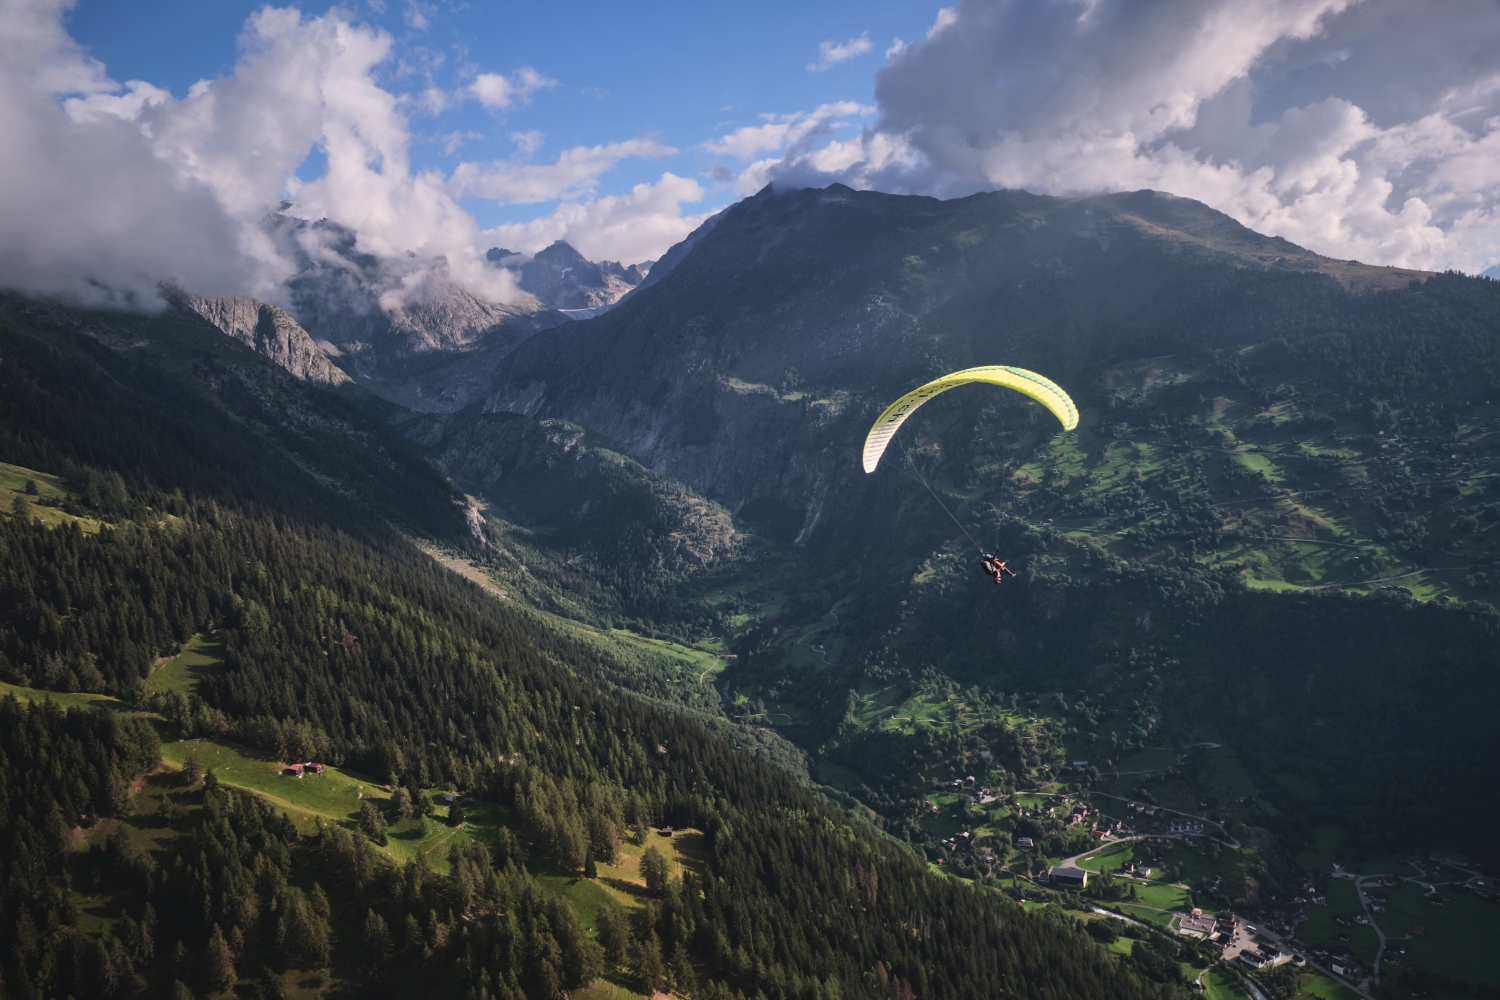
(1161, 873)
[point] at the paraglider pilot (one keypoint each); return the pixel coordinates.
(995, 568)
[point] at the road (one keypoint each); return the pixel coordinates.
(1364, 902)
(1230, 842)
(808, 633)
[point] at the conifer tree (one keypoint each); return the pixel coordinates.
(218, 963)
(614, 933)
(654, 870)
(371, 823)
(377, 938)
(192, 770)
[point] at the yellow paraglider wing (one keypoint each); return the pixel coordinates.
(1043, 390)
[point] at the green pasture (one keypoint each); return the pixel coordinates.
(1192, 864)
(911, 712)
(1146, 761)
(1220, 986)
(13, 484)
(1164, 897)
(605, 989)
(702, 659)
(1341, 550)
(1460, 934)
(621, 883)
(335, 796)
(1320, 928)
(943, 824)
(1315, 986)
(200, 657)
(879, 705)
(1026, 801)
(1111, 859)
(1144, 913)
(63, 699)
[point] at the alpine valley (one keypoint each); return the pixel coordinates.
(562, 647)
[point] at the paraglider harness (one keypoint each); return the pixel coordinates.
(994, 568)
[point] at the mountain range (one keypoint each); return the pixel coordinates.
(563, 278)
(589, 590)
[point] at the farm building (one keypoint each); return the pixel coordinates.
(1069, 876)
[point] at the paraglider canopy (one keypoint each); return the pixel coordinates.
(1041, 389)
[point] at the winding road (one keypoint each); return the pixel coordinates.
(1228, 842)
(807, 633)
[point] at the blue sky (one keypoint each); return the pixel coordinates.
(684, 73)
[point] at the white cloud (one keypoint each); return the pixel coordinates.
(497, 92)
(629, 228)
(87, 209)
(831, 53)
(105, 191)
(782, 131)
(897, 46)
(1368, 130)
(454, 141)
(946, 18)
(416, 15)
(577, 171)
(529, 141)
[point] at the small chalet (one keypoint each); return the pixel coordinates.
(295, 770)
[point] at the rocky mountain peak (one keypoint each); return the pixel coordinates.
(563, 278)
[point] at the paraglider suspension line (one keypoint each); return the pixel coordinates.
(996, 452)
(923, 479)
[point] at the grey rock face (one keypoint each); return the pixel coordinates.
(563, 278)
(433, 352)
(269, 331)
(592, 496)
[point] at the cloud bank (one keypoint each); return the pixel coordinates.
(1367, 130)
(628, 228)
(107, 190)
(577, 171)
(1362, 130)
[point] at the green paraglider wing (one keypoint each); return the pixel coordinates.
(1043, 390)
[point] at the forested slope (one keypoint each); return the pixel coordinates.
(1265, 434)
(344, 642)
